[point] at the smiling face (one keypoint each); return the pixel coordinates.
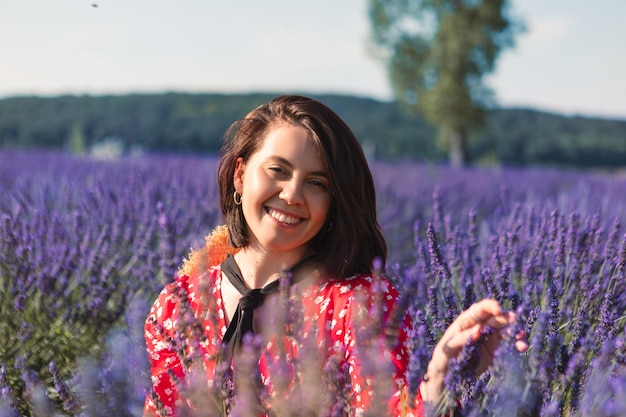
(285, 191)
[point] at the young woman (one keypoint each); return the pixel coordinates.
(299, 202)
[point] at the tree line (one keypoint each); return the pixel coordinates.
(195, 123)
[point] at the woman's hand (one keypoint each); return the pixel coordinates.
(468, 326)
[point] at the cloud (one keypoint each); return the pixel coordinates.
(549, 30)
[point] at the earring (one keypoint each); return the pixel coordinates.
(237, 198)
(330, 227)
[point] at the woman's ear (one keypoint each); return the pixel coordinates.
(238, 175)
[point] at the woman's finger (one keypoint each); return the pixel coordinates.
(453, 343)
(521, 345)
(479, 313)
(468, 326)
(502, 320)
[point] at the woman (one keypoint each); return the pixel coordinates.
(299, 202)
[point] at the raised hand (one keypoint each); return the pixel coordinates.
(468, 326)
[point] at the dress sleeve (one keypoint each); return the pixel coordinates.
(165, 365)
(368, 354)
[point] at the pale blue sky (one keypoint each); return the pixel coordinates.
(571, 60)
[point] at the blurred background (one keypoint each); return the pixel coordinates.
(80, 74)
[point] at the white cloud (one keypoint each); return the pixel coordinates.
(547, 31)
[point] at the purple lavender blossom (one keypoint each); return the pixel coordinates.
(62, 390)
(436, 258)
(81, 241)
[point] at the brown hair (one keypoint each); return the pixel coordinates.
(354, 238)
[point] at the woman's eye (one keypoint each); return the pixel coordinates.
(318, 184)
(277, 170)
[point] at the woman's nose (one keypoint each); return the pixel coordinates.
(292, 193)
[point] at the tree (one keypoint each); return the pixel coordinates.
(438, 52)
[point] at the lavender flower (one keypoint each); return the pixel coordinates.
(86, 245)
(441, 270)
(62, 390)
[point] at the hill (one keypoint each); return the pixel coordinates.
(185, 123)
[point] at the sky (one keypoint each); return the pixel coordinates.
(570, 60)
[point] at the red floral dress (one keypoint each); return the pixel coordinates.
(338, 314)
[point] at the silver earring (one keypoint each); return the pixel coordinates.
(237, 198)
(330, 227)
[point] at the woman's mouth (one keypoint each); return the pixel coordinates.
(282, 217)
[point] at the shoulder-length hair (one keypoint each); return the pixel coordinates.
(351, 238)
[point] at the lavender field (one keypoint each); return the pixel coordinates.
(86, 245)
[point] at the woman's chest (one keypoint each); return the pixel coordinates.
(282, 324)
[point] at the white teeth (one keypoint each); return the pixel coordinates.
(283, 218)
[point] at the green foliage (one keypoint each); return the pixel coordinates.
(191, 123)
(194, 123)
(437, 54)
(524, 136)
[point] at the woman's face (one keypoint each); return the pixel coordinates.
(285, 190)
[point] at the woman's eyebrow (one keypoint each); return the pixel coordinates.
(284, 161)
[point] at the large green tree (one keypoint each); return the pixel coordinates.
(438, 53)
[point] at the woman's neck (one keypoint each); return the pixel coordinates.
(259, 267)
